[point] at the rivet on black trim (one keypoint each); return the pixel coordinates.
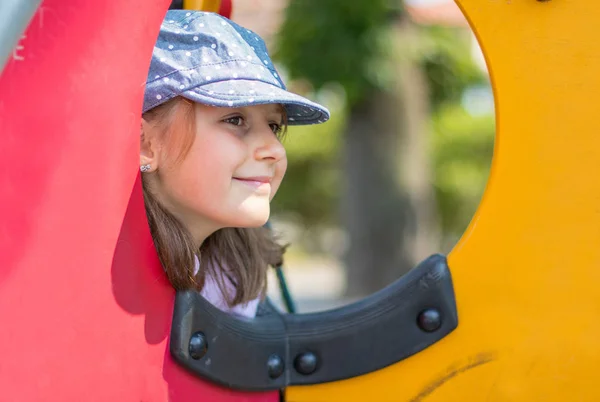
(275, 366)
(306, 363)
(198, 345)
(429, 320)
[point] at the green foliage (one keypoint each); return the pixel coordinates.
(461, 144)
(446, 58)
(311, 188)
(462, 147)
(344, 42)
(333, 41)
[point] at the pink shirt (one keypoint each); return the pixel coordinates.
(213, 294)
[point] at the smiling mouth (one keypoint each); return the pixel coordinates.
(263, 183)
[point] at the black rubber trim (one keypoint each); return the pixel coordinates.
(406, 317)
(176, 5)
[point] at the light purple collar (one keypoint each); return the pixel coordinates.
(213, 294)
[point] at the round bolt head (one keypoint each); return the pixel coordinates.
(198, 345)
(306, 363)
(275, 366)
(429, 320)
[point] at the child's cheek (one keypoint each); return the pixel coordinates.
(216, 161)
(280, 170)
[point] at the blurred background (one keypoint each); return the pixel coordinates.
(398, 171)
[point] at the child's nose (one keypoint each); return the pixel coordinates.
(269, 147)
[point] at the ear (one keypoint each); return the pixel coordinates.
(148, 146)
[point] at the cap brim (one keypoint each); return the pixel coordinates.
(300, 110)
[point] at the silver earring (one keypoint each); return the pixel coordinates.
(145, 168)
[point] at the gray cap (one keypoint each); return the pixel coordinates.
(211, 60)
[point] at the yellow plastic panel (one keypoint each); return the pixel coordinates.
(527, 270)
(204, 5)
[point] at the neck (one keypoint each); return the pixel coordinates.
(199, 234)
(198, 227)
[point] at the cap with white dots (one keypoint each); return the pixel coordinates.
(209, 59)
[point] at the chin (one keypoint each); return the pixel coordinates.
(251, 217)
(251, 222)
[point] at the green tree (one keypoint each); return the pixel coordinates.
(394, 75)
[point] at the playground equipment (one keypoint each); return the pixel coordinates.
(88, 314)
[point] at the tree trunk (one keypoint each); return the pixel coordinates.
(388, 207)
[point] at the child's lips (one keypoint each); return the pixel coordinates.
(257, 182)
(261, 179)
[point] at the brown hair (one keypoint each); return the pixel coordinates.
(240, 255)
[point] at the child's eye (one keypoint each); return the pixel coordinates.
(276, 128)
(235, 120)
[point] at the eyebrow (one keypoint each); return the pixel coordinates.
(275, 108)
(280, 109)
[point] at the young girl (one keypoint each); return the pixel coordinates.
(211, 156)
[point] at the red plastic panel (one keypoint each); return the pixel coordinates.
(84, 305)
(226, 8)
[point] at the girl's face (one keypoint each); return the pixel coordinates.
(229, 175)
